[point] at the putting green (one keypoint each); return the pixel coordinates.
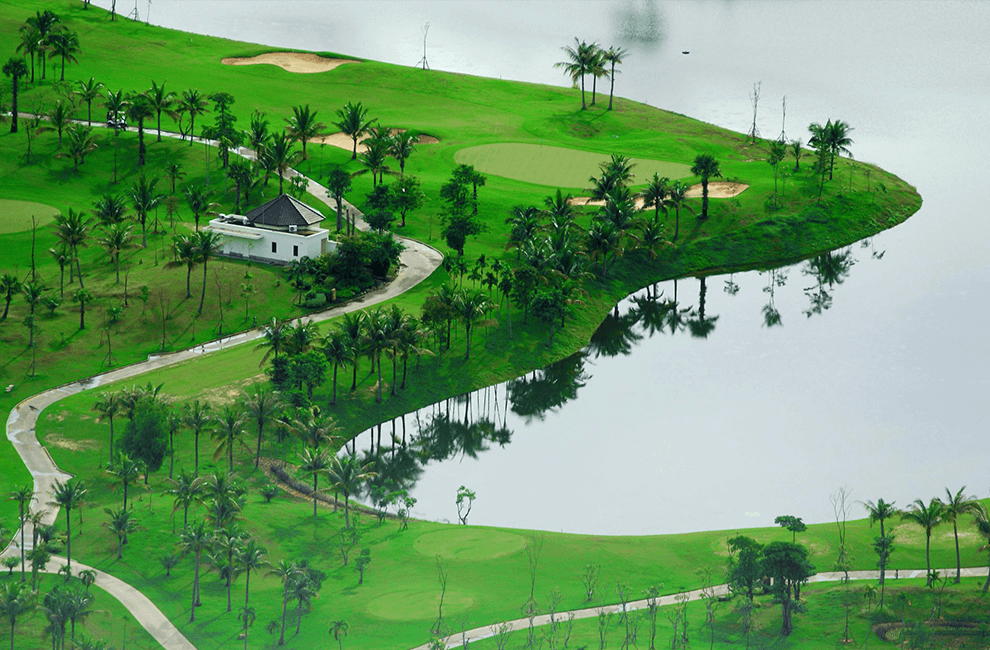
(15, 216)
(469, 544)
(556, 166)
(416, 604)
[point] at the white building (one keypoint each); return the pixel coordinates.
(280, 231)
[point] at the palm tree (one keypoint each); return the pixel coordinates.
(302, 591)
(198, 418)
(161, 101)
(346, 475)
(336, 350)
(229, 429)
(927, 516)
(239, 171)
(261, 405)
(195, 539)
(15, 599)
(375, 160)
(303, 125)
(375, 341)
(72, 230)
(596, 68)
(954, 506)
(64, 44)
(338, 629)
(604, 238)
(82, 296)
(247, 615)
(33, 293)
(834, 137)
(110, 208)
(140, 109)
(578, 63)
(677, 199)
(193, 103)
(31, 43)
(116, 239)
(108, 405)
(120, 524)
(706, 167)
(88, 91)
(251, 558)
(68, 495)
(198, 197)
(61, 256)
(286, 571)
(9, 286)
(981, 519)
(186, 254)
(186, 490)
(401, 147)
(352, 326)
(126, 469)
(525, 222)
(338, 184)
(144, 199)
(60, 117)
(15, 68)
(280, 156)
(654, 195)
(208, 245)
(46, 23)
(275, 335)
(613, 56)
(353, 123)
(23, 496)
(314, 461)
(472, 307)
(81, 142)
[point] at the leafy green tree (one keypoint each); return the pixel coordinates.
(791, 523)
(787, 564)
(347, 475)
(705, 167)
(381, 202)
(954, 506)
(68, 495)
(408, 197)
(15, 68)
(928, 516)
(354, 123)
(745, 570)
(579, 61)
(549, 306)
(361, 563)
(145, 438)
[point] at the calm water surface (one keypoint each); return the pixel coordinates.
(885, 392)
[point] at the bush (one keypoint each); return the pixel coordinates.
(315, 300)
(269, 492)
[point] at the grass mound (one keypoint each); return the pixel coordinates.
(556, 166)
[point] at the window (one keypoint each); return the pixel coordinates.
(295, 251)
(274, 247)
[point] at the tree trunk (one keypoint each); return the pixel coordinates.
(955, 531)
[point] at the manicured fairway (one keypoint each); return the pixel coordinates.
(15, 216)
(556, 166)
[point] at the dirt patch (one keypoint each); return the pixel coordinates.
(344, 141)
(301, 62)
(227, 394)
(55, 440)
(718, 190)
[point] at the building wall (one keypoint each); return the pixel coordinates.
(288, 246)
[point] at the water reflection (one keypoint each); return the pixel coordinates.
(640, 22)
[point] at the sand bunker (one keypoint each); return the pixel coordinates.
(303, 62)
(716, 190)
(344, 141)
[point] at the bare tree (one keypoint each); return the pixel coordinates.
(652, 609)
(840, 508)
(591, 579)
(442, 581)
(710, 599)
(754, 98)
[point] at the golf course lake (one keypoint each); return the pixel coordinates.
(875, 377)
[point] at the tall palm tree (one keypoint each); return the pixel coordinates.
(604, 239)
(186, 490)
(193, 103)
(200, 203)
(23, 496)
(10, 285)
(15, 68)
(72, 230)
(116, 239)
(280, 156)
(81, 143)
(108, 405)
(251, 558)
(303, 126)
(195, 539)
(126, 469)
(31, 43)
(705, 167)
(313, 462)
(928, 516)
(261, 405)
(655, 194)
(60, 117)
(88, 91)
(834, 138)
(353, 123)
(33, 293)
(336, 351)
(677, 199)
(198, 418)
(314, 429)
(121, 522)
(286, 572)
(140, 109)
(338, 184)
(954, 506)
(347, 475)
(578, 63)
(275, 334)
(472, 307)
(15, 599)
(229, 429)
(338, 628)
(352, 326)
(68, 495)
(208, 245)
(596, 68)
(613, 56)
(981, 519)
(525, 223)
(401, 148)
(161, 100)
(375, 341)
(186, 254)
(144, 199)
(64, 44)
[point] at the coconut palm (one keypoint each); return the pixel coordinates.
(68, 495)
(72, 231)
(579, 61)
(82, 296)
(928, 516)
(401, 148)
(198, 418)
(46, 23)
(655, 194)
(981, 519)
(287, 573)
(192, 103)
(60, 117)
(313, 462)
(472, 307)
(954, 506)
(186, 254)
(612, 57)
(108, 405)
(280, 157)
(346, 475)
(336, 350)
(208, 245)
(834, 138)
(597, 70)
(303, 126)
(247, 615)
(353, 123)
(121, 522)
(229, 430)
(251, 558)
(15, 599)
(64, 44)
(525, 222)
(706, 167)
(604, 239)
(186, 490)
(88, 91)
(195, 539)
(81, 142)
(144, 199)
(198, 197)
(10, 285)
(31, 43)
(23, 496)
(275, 335)
(140, 109)
(338, 184)
(352, 326)
(677, 199)
(261, 405)
(161, 101)
(126, 469)
(338, 629)
(116, 239)
(15, 68)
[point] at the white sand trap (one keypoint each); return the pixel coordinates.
(303, 62)
(344, 141)
(718, 190)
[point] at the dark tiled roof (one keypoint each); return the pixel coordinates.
(283, 211)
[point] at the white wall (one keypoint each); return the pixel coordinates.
(288, 246)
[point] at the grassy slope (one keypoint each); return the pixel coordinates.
(738, 234)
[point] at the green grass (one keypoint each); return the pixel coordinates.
(20, 216)
(556, 166)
